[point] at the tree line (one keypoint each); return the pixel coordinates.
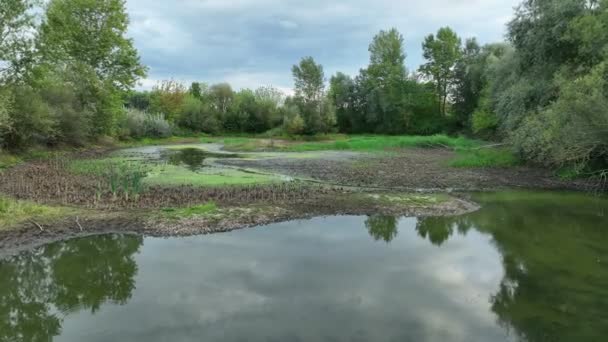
(69, 78)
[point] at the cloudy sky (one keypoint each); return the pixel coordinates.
(250, 43)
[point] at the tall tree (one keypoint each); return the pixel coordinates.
(442, 51)
(88, 37)
(16, 21)
(309, 82)
(385, 75)
(341, 92)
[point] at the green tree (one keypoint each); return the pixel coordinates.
(341, 92)
(15, 43)
(386, 75)
(167, 98)
(442, 51)
(89, 37)
(317, 113)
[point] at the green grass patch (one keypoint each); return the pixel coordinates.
(13, 212)
(485, 157)
(381, 142)
(8, 160)
(197, 210)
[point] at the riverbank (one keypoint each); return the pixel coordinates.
(161, 190)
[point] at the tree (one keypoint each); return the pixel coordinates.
(167, 98)
(309, 81)
(442, 52)
(341, 92)
(16, 21)
(221, 96)
(386, 75)
(88, 38)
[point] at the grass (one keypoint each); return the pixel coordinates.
(197, 210)
(8, 160)
(382, 142)
(485, 157)
(13, 212)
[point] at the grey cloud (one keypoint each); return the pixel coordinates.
(255, 42)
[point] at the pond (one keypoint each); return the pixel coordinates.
(526, 267)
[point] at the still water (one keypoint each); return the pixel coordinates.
(526, 267)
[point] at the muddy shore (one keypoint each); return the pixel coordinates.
(227, 218)
(325, 185)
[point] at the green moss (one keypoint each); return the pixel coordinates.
(13, 212)
(409, 199)
(98, 166)
(197, 210)
(171, 175)
(485, 157)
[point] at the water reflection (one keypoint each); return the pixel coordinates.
(38, 289)
(192, 158)
(555, 258)
(382, 227)
(527, 267)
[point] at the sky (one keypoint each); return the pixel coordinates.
(252, 43)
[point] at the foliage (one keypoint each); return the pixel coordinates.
(167, 97)
(573, 129)
(16, 20)
(317, 113)
(138, 124)
(442, 51)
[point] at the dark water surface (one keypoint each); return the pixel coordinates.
(526, 267)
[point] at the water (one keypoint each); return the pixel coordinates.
(527, 267)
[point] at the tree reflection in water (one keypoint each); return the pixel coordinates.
(39, 287)
(555, 259)
(382, 227)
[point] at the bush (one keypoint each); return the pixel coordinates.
(5, 119)
(572, 130)
(157, 126)
(139, 124)
(198, 116)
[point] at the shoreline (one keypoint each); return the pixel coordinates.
(27, 236)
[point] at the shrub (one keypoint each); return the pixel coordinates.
(157, 126)
(139, 124)
(198, 116)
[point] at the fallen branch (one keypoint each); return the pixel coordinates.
(78, 223)
(37, 225)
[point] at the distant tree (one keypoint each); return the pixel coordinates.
(341, 92)
(167, 98)
(386, 74)
(221, 95)
(195, 90)
(442, 51)
(309, 80)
